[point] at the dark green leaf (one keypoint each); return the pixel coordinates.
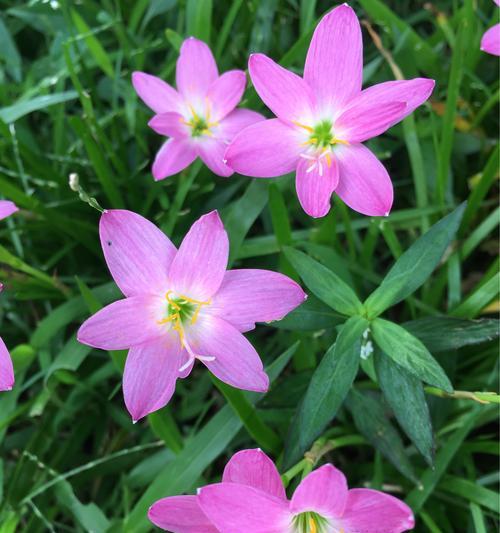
(313, 314)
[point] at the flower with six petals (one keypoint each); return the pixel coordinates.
(200, 116)
(323, 119)
(182, 305)
(252, 498)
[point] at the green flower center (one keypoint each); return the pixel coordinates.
(309, 522)
(181, 309)
(322, 136)
(199, 127)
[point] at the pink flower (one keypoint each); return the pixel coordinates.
(252, 498)
(182, 305)
(491, 39)
(6, 368)
(323, 118)
(200, 117)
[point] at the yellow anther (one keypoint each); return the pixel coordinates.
(303, 126)
(328, 159)
(193, 112)
(312, 526)
(339, 141)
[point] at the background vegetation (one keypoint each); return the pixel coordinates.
(71, 459)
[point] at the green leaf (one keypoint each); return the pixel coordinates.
(9, 53)
(15, 111)
(327, 390)
(94, 46)
(324, 283)
(405, 394)
(407, 351)
(181, 474)
(444, 333)
(311, 315)
(412, 269)
(371, 421)
(199, 19)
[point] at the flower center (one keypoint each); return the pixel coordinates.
(200, 125)
(310, 522)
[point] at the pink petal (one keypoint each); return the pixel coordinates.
(236, 508)
(315, 185)
(124, 323)
(236, 122)
(170, 125)
(323, 491)
(491, 40)
(364, 184)
(379, 107)
(7, 208)
(225, 93)
(286, 94)
(180, 514)
(369, 511)
(236, 361)
(6, 368)
(174, 155)
(211, 152)
(254, 469)
(265, 150)
(150, 374)
(156, 93)
(497, 2)
(138, 254)
(248, 296)
(196, 69)
(199, 266)
(334, 63)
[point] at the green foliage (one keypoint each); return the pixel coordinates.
(71, 459)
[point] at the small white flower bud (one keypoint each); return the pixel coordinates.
(74, 182)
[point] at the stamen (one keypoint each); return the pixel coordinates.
(307, 128)
(312, 526)
(339, 141)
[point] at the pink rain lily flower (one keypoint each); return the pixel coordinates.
(200, 117)
(252, 498)
(490, 42)
(182, 305)
(323, 119)
(6, 368)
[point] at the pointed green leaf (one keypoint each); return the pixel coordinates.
(327, 390)
(324, 283)
(405, 394)
(409, 352)
(412, 269)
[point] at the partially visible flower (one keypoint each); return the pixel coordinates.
(491, 39)
(252, 498)
(323, 119)
(200, 117)
(182, 305)
(6, 368)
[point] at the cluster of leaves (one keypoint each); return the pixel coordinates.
(415, 417)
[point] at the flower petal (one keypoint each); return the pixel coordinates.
(6, 368)
(364, 183)
(225, 93)
(236, 361)
(323, 491)
(157, 94)
(253, 468)
(287, 95)
(7, 208)
(196, 69)
(138, 253)
(124, 323)
(151, 371)
(174, 155)
(180, 514)
(199, 266)
(235, 122)
(248, 296)
(371, 510)
(491, 40)
(315, 182)
(334, 63)
(236, 508)
(379, 107)
(170, 125)
(265, 150)
(211, 152)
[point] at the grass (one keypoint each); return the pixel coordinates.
(71, 459)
